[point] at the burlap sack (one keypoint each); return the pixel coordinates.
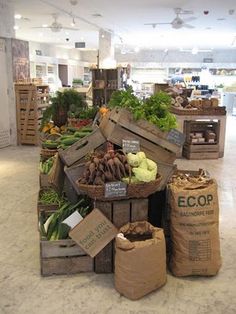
(194, 225)
(140, 266)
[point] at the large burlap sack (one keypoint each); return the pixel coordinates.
(194, 225)
(140, 266)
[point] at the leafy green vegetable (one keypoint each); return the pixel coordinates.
(154, 109)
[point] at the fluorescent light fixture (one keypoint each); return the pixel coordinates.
(44, 25)
(18, 16)
(16, 27)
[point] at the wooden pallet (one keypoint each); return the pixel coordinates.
(63, 257)
(119, 213)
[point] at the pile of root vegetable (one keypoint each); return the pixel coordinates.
(105, 167)
(117, 166)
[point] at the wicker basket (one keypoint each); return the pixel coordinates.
(134, 190)
(47, 153)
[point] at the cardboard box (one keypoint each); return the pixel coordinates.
(93, 233)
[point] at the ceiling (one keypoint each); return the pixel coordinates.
(214, 29)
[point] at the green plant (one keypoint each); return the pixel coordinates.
(60, 104)
(154, 109)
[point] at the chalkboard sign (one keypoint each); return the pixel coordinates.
(176, 137)
(115, 189)
(131, 146)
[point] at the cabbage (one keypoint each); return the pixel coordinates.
(144, 164)
(151, 165)
(133, 160)
(143, 174)
(141, 156)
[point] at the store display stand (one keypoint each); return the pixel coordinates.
(207, 117)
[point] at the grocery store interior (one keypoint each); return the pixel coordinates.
(86, 87)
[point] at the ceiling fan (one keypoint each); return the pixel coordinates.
(56, 27)
(177, 22)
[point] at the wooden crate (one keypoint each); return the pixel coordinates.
(31, 99)
(41, 208)
(201, 152)
(76, 152)
(119, 213)
(43, 180)
(140, 129)
(202, 127)
(63, 257)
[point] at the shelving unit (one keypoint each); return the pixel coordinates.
(31, 100)
(104, 83)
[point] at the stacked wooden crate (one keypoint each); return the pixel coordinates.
(119, 125)
(31, 100)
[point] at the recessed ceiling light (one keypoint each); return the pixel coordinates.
(97, 15)
(16, 27)
(67, 33)
(18, 16)
(44, 25)
(103, 36)
(136, 49)
(221, 19)
(41, 34)
(81, 38)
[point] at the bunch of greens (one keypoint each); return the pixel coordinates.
(54, 228)
(157, 111)
(60, 104)
(154, 109)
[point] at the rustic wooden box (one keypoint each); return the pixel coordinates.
(202, 127)
(43, 180)
(81, 148)
(63, 257)
(201, 152)
(45, 208)
(119, 213)
(119, 124)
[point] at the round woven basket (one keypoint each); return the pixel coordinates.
(134, 190)
(47, 153)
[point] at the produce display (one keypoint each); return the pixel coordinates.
(50, 196)
(154, 109)
(116, 166)
(68, 137)
(46, 166)
(54, 228)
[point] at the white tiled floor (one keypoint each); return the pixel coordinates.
(22, 290)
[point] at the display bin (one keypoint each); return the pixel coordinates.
(202, 139)
(63, 257)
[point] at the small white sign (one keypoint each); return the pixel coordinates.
(73, 219)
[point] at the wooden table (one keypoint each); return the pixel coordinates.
(222, 118)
